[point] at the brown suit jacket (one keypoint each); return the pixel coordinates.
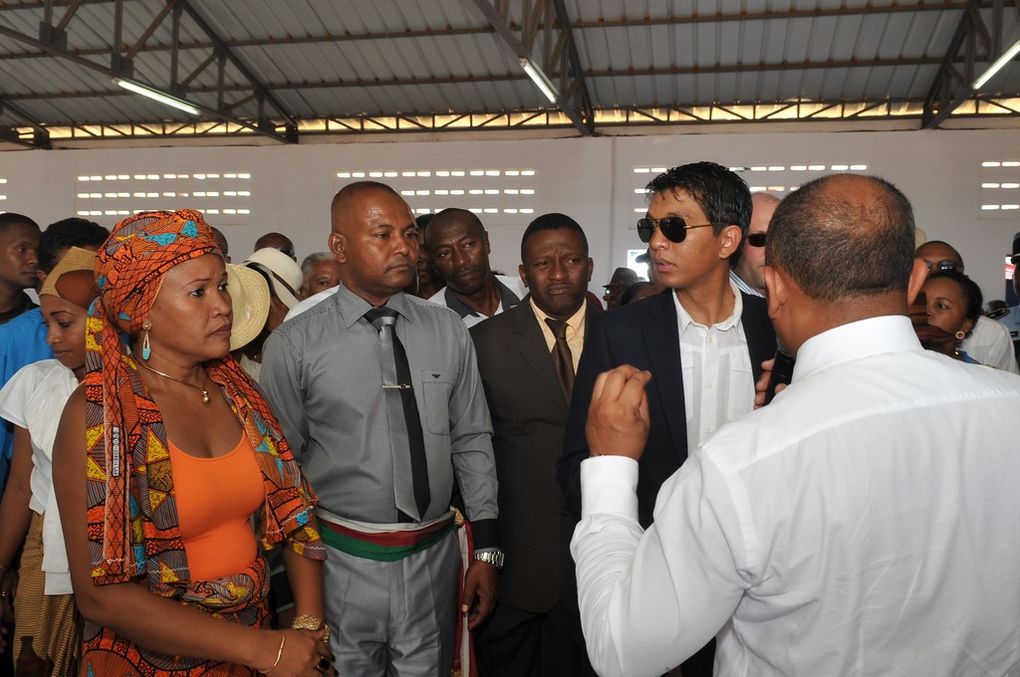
(529, 414)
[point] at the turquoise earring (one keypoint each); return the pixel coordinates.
(146, 348)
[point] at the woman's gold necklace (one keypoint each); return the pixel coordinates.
(205, 393)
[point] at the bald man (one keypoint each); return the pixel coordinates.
(863, 523)
(746, 271)
(378, 393)
(989, 342)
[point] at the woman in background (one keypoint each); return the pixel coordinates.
(47, 631)
(163, 458)
(953, 305)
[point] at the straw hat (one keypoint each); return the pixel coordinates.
(282, 272)
(920, 237)
(250, 296)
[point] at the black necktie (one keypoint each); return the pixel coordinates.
(562, 359)
(383, 319)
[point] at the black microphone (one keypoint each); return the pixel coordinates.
(782, 372)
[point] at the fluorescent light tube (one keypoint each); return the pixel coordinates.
(1006, 57)
(540, 79)
(156, 95)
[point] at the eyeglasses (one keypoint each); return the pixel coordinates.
(674, 228)
(942, 265)
(756, 239)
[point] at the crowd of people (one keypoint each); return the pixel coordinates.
(391, 459)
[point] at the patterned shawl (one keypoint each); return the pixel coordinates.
(132, 515)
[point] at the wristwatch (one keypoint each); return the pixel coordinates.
(493, 556)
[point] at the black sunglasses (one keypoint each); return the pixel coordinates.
(756, 239)
(941, 266)
(674, 228)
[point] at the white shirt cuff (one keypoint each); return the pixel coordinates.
(609, 485)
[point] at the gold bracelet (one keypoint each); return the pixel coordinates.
(306, 622)
(279, 655)
(310, 622)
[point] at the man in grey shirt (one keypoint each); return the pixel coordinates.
(391, 577)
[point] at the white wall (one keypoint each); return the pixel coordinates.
(592, 180)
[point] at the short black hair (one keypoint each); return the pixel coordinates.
(72, 232)
(720, 192)
(834, 247)
(552, 221)
(423, 222)
(13, 218)
(972, 297)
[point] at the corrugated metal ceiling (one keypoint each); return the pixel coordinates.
(323, 59)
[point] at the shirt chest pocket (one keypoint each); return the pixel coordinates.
(436, 387)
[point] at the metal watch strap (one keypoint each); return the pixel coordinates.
(493, 557)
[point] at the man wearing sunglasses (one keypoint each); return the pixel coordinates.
(749, 261)
(704, 342)
(863, 523)
(989, 343)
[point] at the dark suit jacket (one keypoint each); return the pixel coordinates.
(529, 413)
(644, 334)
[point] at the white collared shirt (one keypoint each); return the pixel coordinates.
(990, 343)
(864, 523)
(716, 367)
(312, 300)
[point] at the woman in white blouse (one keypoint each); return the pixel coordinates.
(47, 632)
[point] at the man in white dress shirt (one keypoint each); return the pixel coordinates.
(864, 523)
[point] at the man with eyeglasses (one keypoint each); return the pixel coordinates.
(704, 343)
(747, 264)
(989, 342)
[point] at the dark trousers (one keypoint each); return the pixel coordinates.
(518, 643)
(7, 657)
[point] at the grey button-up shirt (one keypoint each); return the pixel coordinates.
(321, 373)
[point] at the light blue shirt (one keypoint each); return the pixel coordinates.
(22, 342)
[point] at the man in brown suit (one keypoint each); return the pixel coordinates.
(527, 357)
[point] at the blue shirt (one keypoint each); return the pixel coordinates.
(22, 342)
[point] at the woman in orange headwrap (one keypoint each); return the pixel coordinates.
(169, 466)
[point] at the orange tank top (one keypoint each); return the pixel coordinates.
(216, 498)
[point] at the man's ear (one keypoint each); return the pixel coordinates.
(775, 290)
(729, 241)
(591, 268)
(338, 247)
(918, 275)
(520, 271)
